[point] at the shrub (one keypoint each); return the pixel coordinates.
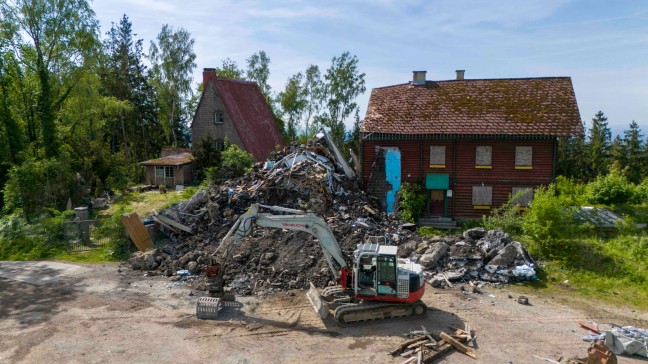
(549, 221)
(610, 189)
(411, 201)
(505, 217)
(38, 184)
(235, 162)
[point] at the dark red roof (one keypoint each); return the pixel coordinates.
(520, 106)
(250, 114)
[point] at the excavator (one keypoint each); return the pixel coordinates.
(374, 284)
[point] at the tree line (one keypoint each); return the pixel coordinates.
(79, 110)
(584, 158)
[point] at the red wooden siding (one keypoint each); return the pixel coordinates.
(502, 176)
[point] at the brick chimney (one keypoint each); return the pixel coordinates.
(208, 74)
(419, 77)
(460, 74)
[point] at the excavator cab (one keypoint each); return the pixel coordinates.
(375, 271)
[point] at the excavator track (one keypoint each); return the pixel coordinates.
(355, 313)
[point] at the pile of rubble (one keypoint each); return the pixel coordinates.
(314, 178)
(487, 256)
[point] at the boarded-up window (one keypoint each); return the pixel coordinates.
(482, 196)
(483, 156)
(523, 157)
(437, 156)
(525, 197)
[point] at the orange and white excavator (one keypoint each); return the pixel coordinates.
(375, 284)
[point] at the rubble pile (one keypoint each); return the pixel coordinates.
(312, 178)
(487, 256)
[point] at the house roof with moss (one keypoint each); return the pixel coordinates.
(519, 106)
(178, 159)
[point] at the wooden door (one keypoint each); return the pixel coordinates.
(436, 202)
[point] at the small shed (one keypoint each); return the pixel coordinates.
(174, 167)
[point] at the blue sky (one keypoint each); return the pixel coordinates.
(602, 45)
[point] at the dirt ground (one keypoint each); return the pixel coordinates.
(66, 313)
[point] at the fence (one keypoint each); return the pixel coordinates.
(83, 235)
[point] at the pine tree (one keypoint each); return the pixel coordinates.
(633, 147)
(600, 139)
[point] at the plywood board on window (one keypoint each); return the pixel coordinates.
(482, 195)
(526, 197)
(437, 156)
(523, 156)
(483, 155)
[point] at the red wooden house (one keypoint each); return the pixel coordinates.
(470, 143)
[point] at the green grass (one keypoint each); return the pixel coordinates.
(612, 270)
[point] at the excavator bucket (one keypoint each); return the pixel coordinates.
(321, 307)
(207, 308)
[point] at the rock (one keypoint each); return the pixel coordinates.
(406, 249)
(505, 256)
(144, 260)
(435, 252)
(474, 234)
(192, 267)
(228, 212)
(422, 247)
(196, 201)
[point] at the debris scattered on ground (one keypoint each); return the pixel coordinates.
(428, 347)
(312, 178)
(597, 353)
(621, 340)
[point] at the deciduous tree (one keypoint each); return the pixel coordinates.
(173, 59)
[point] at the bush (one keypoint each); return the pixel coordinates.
(411, 201)
(40, 239)
(505, 217)
(38, 184)
(549, 222)
(610, 189)
(640, 193)
(235, 162)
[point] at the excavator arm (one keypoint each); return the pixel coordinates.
(282, 218)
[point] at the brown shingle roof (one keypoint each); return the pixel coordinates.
(170, 160)
(521, 106)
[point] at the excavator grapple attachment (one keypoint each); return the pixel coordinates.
(207, 308)
(321, 307)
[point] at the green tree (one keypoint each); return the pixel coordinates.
(230, 69)
(344, 83)
(52, 39)
(173, 64)
(634, 149)
(293, 103)
(600, 138)
(313, 94)
(134, 127)
(572, 158)
(258, 70)
(10, 129)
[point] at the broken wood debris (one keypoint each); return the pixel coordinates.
(428, 347)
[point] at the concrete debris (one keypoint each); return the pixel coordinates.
(312, 178)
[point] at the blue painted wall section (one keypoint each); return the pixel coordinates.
(393, 175)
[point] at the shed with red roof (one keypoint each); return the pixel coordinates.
(470, 143)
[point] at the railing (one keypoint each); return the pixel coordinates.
(83, 235)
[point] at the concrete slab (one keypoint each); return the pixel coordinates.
(39, 272)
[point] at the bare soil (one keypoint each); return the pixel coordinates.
(64, 313)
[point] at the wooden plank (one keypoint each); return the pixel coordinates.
(444, 348)
(170, 222)
(407, 343)
(137, 232)
(459, 346)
